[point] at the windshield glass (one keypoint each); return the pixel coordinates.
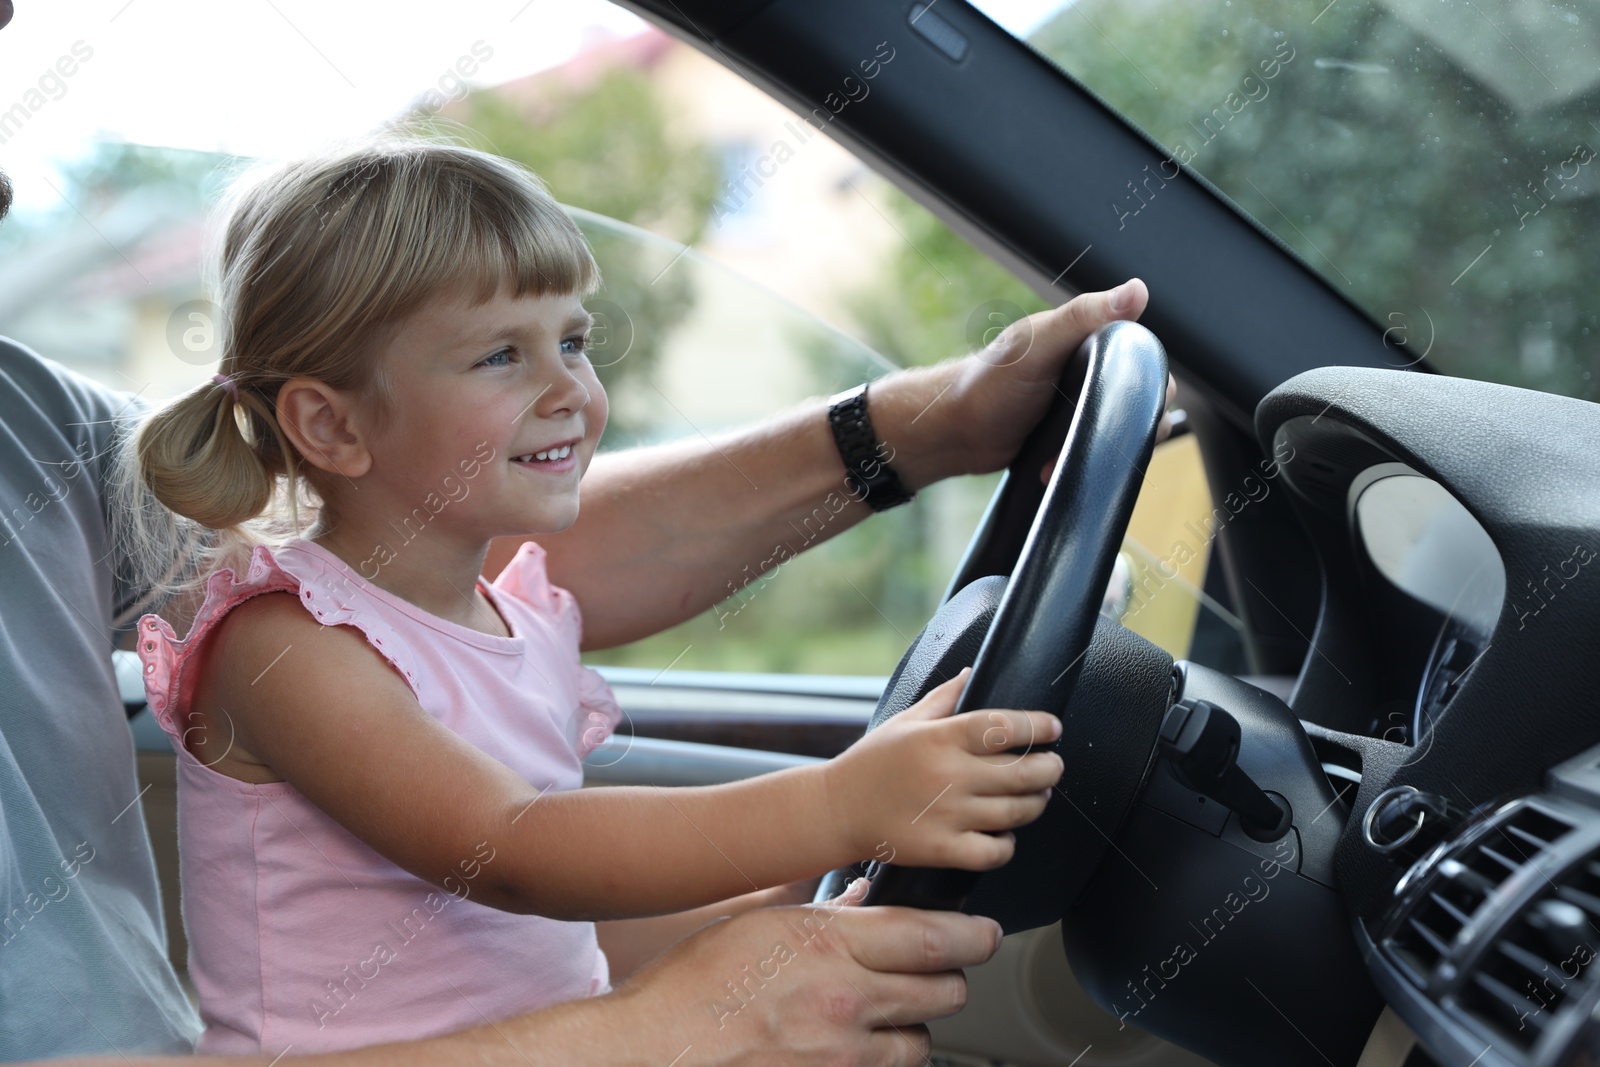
(1433, 160)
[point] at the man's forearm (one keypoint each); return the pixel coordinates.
(600, 1030)
(665, 532)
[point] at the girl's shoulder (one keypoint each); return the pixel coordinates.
(164, 656)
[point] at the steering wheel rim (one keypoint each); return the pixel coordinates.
(1034, 649)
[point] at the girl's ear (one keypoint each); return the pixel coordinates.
(316, 419)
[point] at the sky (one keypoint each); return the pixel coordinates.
(1021, 16)
(256, 77)
(272, 77)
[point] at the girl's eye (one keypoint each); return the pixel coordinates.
(579, 345)
(501, 358)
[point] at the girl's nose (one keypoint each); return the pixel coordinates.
(564, 394)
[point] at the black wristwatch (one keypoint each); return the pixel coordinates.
(868, 476)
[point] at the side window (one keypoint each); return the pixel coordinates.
(749, 262)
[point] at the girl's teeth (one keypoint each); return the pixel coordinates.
(553, 454)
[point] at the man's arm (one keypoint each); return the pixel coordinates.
(668, 531)
(839, 985)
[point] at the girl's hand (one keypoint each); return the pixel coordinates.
(932, 789)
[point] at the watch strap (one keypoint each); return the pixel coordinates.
(868, 476)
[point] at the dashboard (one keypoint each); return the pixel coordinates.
(1496, 923)
(1449, 683)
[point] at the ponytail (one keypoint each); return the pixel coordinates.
(205, 456)
(196, 487)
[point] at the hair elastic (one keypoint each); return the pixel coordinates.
(241, 417)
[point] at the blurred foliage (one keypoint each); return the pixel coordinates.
(939, 296)
(168, 182)
(641, 302)
(1392, 166)
(608, 148)
(116, 167)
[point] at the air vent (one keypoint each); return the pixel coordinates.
(1425, 938)
(1426, 934)
(1528, 974)
(1534, 828)
(1537, 965)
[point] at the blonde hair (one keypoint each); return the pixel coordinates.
(320, 260)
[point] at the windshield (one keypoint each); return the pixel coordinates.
(1433, 160)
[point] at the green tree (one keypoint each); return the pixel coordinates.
(939, 296)
(1381, 160)
(113, 168)
(609, 149)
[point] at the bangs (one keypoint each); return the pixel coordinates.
(456, 221)
(485, 240)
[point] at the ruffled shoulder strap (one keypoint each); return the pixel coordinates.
(164, 657)
(526, 578)
(601, 712)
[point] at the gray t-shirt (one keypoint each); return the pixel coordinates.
(83, 966)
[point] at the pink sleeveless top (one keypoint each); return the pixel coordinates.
(302, 936)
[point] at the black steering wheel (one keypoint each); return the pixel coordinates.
(1028, 637)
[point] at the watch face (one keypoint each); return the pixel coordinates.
(849, 394)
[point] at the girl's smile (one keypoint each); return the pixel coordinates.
(557, 459)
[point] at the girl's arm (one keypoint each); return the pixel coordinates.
(333, 719)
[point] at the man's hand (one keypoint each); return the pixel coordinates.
(970, 416)
(821, 984)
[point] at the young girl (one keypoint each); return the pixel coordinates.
(380, 752)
